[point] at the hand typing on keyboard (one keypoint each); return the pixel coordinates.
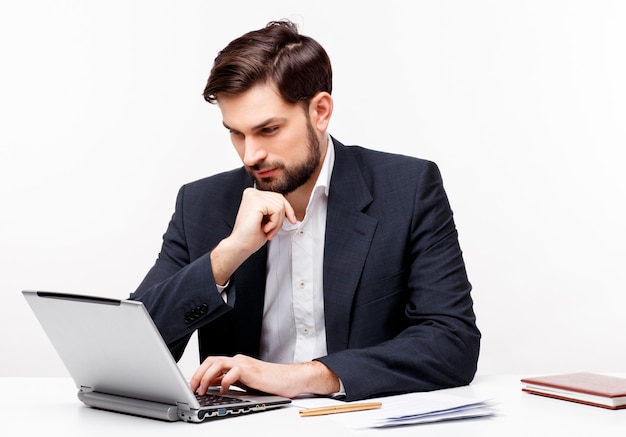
(288, 380)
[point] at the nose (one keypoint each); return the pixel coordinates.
(253, 152)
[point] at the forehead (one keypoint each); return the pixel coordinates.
(252, 107)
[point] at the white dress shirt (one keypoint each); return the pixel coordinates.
(293, 328)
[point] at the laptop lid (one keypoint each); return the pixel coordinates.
(119, 361)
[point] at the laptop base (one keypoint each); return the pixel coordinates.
(121, 404)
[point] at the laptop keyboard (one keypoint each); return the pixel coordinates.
(214, 399)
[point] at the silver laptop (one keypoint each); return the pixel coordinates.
(119, 361)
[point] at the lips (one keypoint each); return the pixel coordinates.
(264, 174)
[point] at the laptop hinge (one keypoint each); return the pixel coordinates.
(183, 406)
(85, 389)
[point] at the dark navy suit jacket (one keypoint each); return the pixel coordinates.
(397, 305)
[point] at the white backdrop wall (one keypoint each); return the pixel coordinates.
(521, 103)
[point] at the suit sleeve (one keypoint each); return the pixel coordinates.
(180, 293)
(437, 342)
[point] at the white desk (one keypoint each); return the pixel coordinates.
(40, 406)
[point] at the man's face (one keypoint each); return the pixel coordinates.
(274, 139)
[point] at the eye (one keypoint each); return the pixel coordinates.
(269, 129)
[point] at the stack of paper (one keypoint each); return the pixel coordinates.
(418, 408)
(409, 409)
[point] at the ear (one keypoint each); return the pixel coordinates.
(320, 110)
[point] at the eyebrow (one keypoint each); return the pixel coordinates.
(261, 125)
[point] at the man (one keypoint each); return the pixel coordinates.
(316, 267)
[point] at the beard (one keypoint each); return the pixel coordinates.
(295, 176)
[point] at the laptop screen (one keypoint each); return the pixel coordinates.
(110, 346)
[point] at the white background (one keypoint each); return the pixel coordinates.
(521, 103)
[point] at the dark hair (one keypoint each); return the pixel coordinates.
(297, 64)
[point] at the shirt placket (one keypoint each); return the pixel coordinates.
(302, 292)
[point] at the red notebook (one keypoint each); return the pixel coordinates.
(586, 388)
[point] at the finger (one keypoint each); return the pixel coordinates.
(196, 378)
(290, 213)
(211, 378)
(209, 373)
(284, 210)
(273, 223)
(230, 378)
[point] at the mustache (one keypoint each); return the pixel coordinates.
(264, 166)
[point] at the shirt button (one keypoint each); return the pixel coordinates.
(305, 330)
(301, 284)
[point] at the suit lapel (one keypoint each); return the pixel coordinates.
(349, 233)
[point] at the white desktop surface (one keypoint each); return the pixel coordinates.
(39, 406)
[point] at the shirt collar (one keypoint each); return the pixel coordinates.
(323, 179)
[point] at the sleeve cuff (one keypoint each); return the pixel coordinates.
(341, 394)
(222, 291)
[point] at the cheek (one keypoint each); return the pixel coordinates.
(292, 145)
(238, 146)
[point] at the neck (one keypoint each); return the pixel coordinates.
(299, 199)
